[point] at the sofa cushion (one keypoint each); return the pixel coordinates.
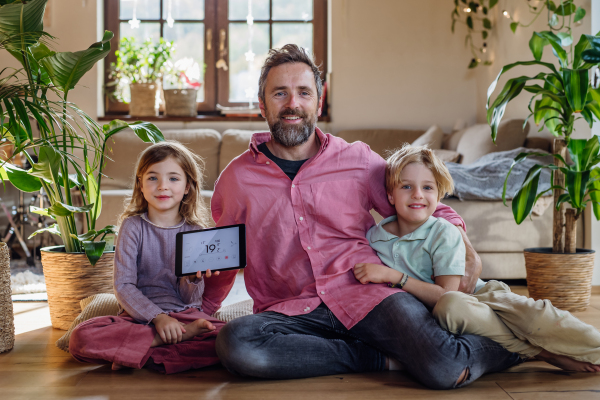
(381, 141)
(233, 143)
(447, 155)
(477, 142)
(432, 138)
(127, 147)
(450, 141)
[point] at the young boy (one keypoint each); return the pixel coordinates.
(426, 256)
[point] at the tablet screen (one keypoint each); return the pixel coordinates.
(214, 249)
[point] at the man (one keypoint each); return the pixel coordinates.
(305, 199)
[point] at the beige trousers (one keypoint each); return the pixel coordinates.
(518, 323)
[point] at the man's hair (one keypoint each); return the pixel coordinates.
(290, 53)
(421, 155)
(192, 207)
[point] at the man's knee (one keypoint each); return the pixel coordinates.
(450, 309)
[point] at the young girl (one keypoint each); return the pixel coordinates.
(427, 259)
(165, 321)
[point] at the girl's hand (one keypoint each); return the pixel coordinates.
(169, 329)
(208, 274)
(374, 273)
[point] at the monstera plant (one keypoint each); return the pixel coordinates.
(64, 146)
(561, 95)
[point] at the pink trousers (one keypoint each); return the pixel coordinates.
(120, 339)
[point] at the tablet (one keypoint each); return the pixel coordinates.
(217, 249)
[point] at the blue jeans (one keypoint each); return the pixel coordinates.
(276, 346)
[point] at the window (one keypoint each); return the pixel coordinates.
(230, 37)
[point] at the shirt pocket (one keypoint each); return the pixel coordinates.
(339, 204)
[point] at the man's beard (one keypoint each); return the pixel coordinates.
(292, 135)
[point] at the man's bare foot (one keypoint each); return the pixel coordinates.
(194, 328)
(566, 363)
(117, 367)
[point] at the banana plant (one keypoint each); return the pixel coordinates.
(68, 150)
(562, 94)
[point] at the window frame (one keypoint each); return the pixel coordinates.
(216, 82)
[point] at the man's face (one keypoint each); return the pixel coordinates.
(291, 104)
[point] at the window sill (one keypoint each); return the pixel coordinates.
(198, 118)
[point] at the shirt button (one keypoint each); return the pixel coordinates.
(293, 185)
(301, 219)
(308, 247)
(268, 162)
(396, 255)
(307, 309)
(322, 292)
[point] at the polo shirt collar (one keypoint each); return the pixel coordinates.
(263, 137)
(380, 234)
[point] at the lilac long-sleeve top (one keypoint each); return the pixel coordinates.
(144, 272)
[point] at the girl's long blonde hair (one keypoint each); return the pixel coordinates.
(192, 206)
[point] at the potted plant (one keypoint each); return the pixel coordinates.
(560, 96)
(182, 82)
(66, 153)
(140, 67)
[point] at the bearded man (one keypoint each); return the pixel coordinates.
(305, 198)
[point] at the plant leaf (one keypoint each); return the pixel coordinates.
(524, 199)
(65, 210)
(52, 229)
(576, 86)
(487, 24)
(94, 250)
(537, 44)
(579, 14)
(576, 183)
(148, 132)
(25, 20)
(48, 165)
(595, 195)
(565, 39)
(513, 26)
(21, 179)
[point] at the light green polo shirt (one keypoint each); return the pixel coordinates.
(435, 248)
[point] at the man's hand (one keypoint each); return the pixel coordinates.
(375, 273)
(472, 266)
(208, 274)
(169, 329)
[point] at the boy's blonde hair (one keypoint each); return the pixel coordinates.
(422, 155)
(192, 206)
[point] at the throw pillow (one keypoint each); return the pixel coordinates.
(233, 311)
(432, 138)
(447, 155)
(97, 305)
(477, 141)
(451, 140)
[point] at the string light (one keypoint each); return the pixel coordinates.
(506, 14)
(134, 22)
(467, 9)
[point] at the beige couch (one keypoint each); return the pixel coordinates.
(491, 228)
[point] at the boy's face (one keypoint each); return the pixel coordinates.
(416, 198)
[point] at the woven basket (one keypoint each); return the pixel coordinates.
(563, 278)
(181, 103)
(7, 321)
(70, 278)
(143, 99)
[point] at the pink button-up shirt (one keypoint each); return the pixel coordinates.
(305, 236)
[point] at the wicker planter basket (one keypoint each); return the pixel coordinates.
(181, 103)
(7, 321)
(563, 278)
(70, 278)
(143, 99)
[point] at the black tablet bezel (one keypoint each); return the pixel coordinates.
(179, 249)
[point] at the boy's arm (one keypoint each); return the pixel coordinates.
(473, 266)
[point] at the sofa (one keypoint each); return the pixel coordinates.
(490, 225)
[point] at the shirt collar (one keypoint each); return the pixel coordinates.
(380, 234)
(263, 137)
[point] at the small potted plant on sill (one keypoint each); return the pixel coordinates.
(66, 152)
(560, 96)
(182, 83)
(140, 68)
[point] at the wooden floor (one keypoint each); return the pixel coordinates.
(36, 369)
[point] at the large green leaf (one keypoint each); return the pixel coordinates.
(524, 199)
(67, 68)
(94, 196)
(565, 8)
(595, 195)
(582, 45)
(94, 250)
(576, 183)
(27, 20)
(576, 149)
(590, 153)
(21, 179)
(52, 229)
(576, 87)
(48, 165)
(148, 132)
(64, 210)
(537, 44)
(555, 42)
(579, 14)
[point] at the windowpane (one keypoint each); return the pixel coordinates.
(184, 9)
(146, 30)
(238, 9)
(300, 34)
(144, 9)
(301, 10)
(242, 76)
(189, 41)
